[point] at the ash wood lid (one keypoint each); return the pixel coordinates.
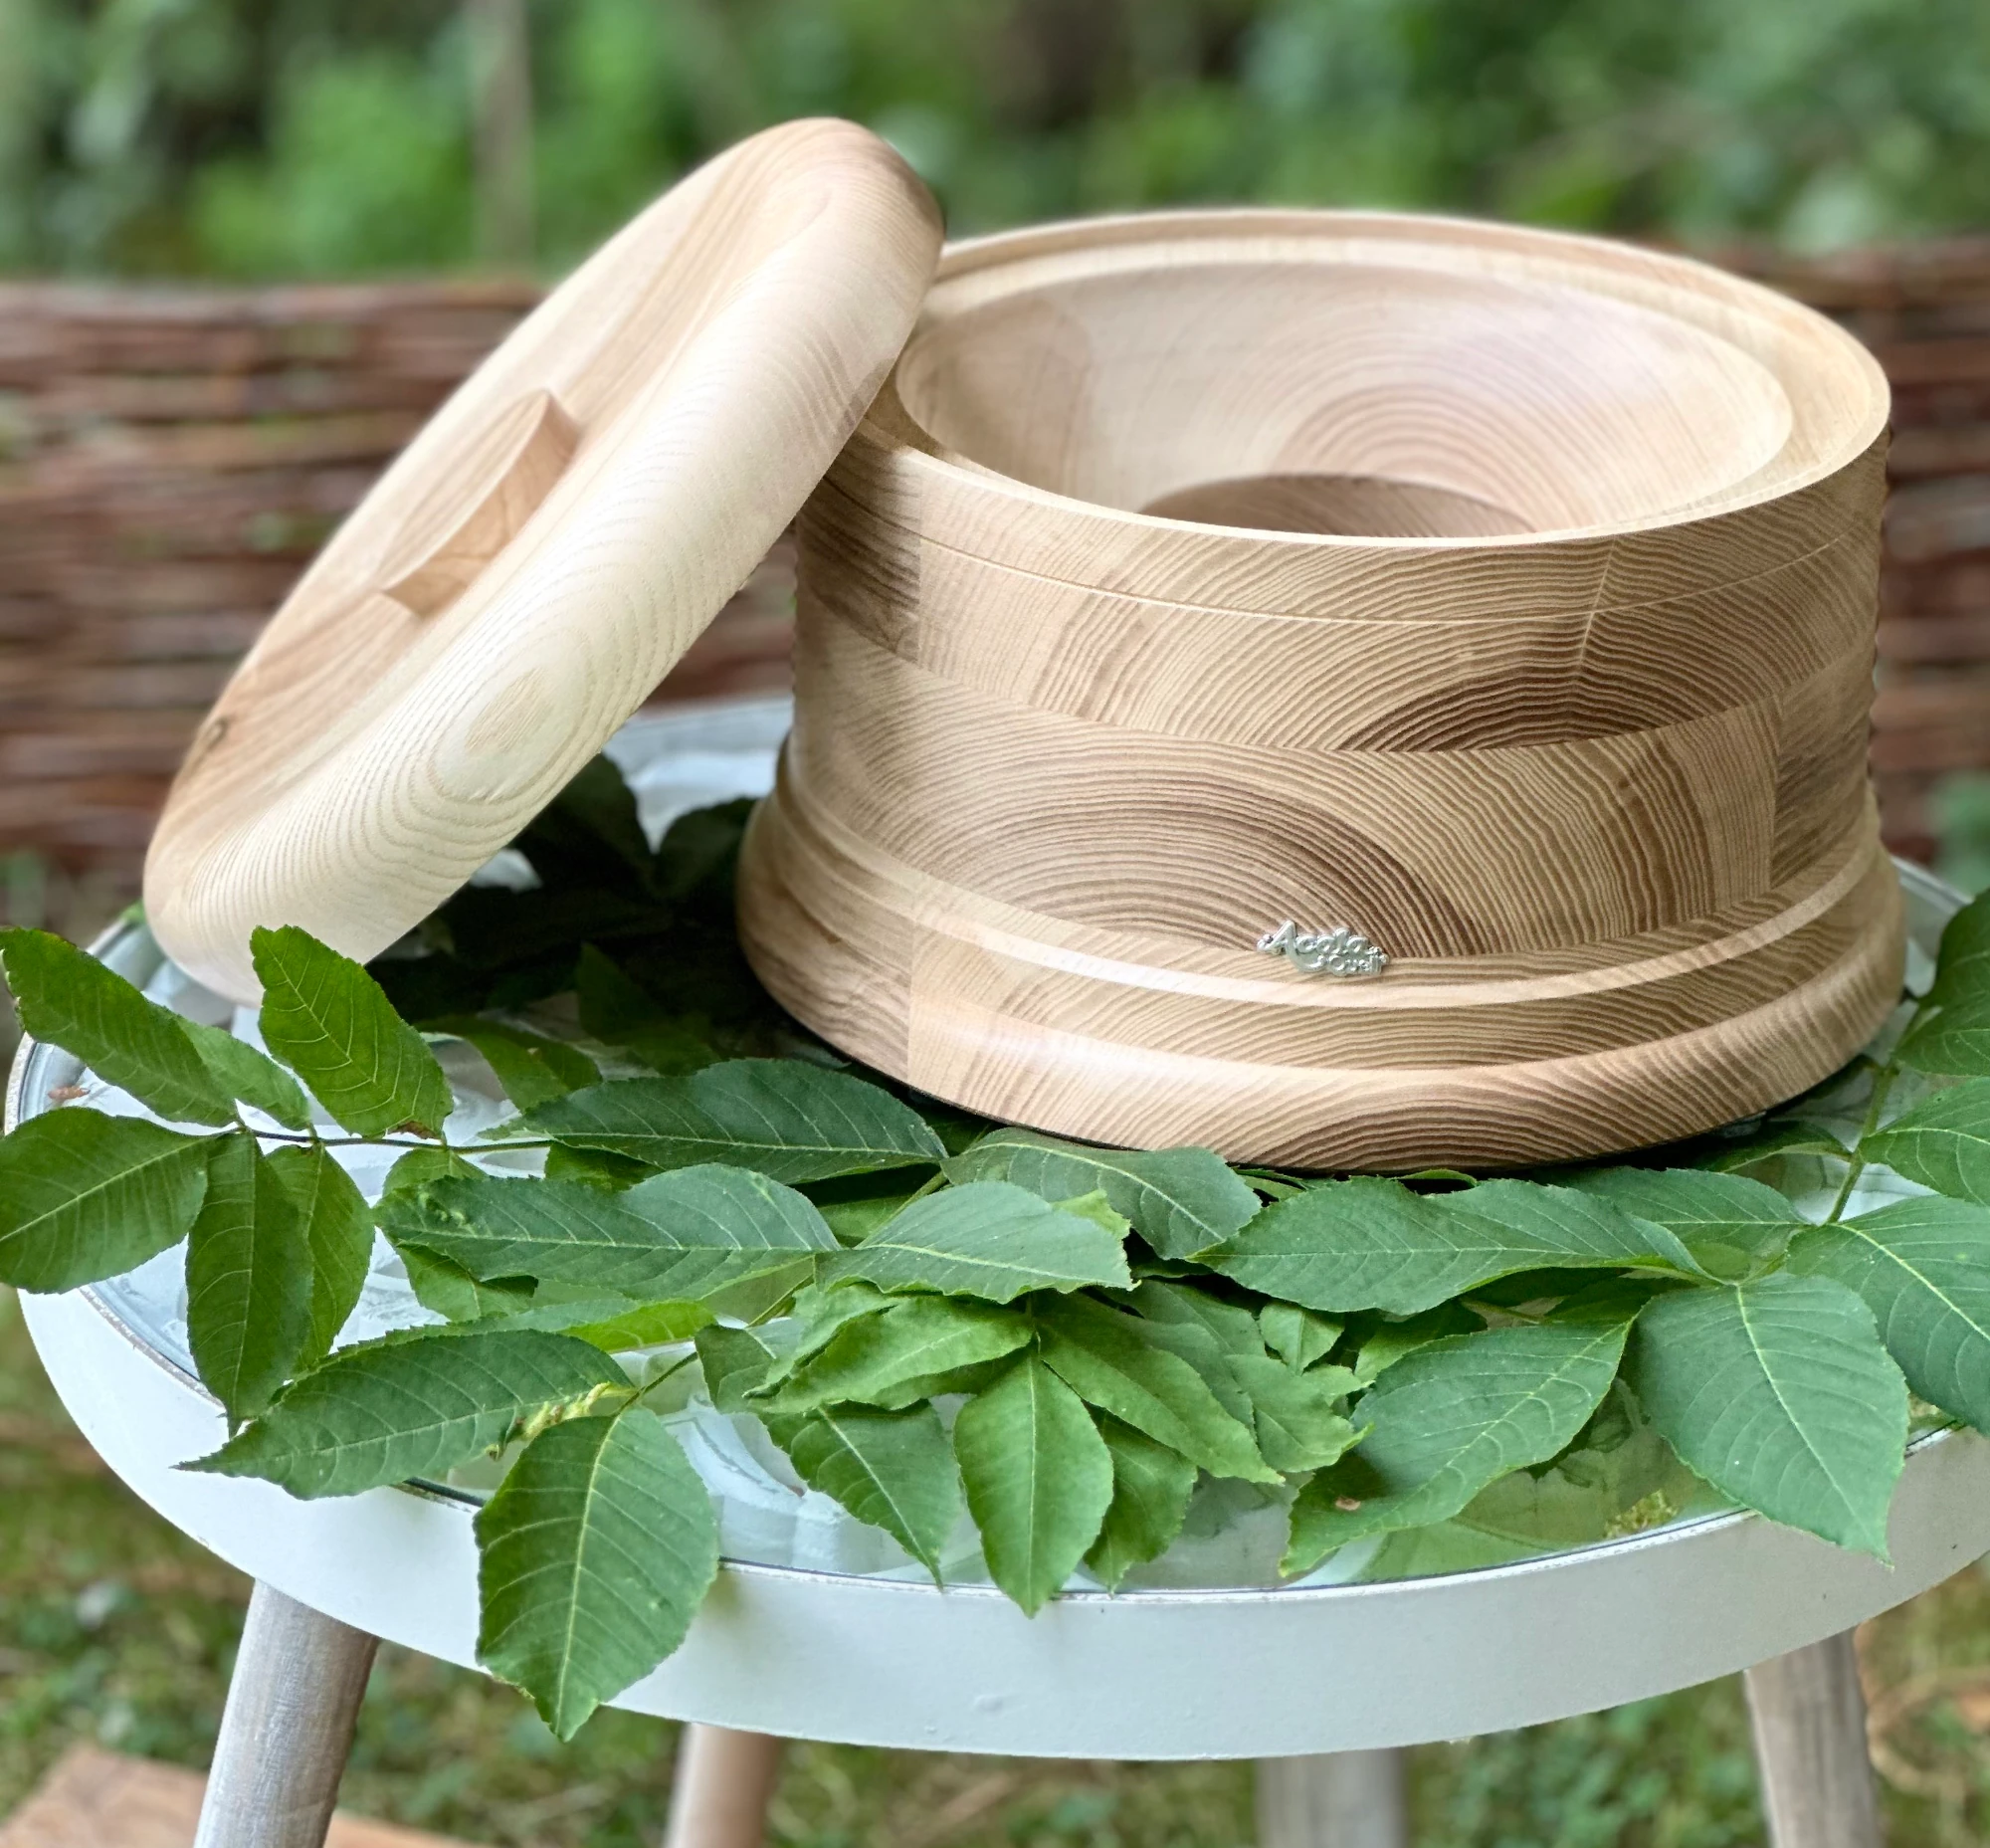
(544, 551)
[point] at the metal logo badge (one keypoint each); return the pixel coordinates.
(1339, 951)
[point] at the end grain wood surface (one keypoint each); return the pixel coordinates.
(1505, 597)
(544, 551)
(100, 1799)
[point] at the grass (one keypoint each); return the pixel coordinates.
(114, 1628)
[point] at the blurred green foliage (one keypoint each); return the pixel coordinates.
(307, 137)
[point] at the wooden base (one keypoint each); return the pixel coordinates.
(724, 1784)
(1338, 1799)
(293, 1703)
(98, 1799)
(1148, 1041)
(1807, 1714)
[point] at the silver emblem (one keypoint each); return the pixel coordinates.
(1339, 951)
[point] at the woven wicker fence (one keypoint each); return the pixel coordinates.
(169, 461)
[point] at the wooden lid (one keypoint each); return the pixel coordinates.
(531, 567)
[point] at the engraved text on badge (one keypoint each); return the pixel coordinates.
(1339, 951)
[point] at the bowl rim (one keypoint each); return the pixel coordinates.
(1112, 242)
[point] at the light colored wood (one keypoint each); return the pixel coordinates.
(1338, 1799)
(1809, 1718)
(1546, 668)
(543, 551)
(286, 1728)
(101, 1799)
(723, 1786)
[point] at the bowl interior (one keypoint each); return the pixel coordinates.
(1347, 392)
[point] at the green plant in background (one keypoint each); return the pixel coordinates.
(1961, 805)
(305, 136)
(1077, 1346)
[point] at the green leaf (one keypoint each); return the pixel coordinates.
(1731, 1225)
(531, 1068)
(338, 1233)
(1234, 1327)
(1384, 1346)
(85, 1196)
(887, 1359)
(594, 1556)
(424, 1163)
(544, 1229)
(1779, 1393)
(1296, 1336)
(892, 1470)
(648, 1325)
(1180, 1200)
(733, 1362)
(1374, 1244)
(451, 1291)
(1923, 1267)
(1566, 1229)
(855, 1205)
(249, 1280)
(1297, 1417)
(1108, 1360)
(820, 1311)
(1452, 1417)
(590, 833)
(1204, 1330)
(427, 987)
(68, 998)
(240, 1071)
(1953, 1041)
(699, 850)
(729, 1225)
(1038, 1476)
(679, 1236)
(1151, 1486)
(498, 929)
(1963, 970)
(1942, 1142)
(1098, 1210)
(1618, 1477)
(765, 1292)
(593, 1166)
(329, 1022)
(413, 1408)
(620, 1012)
(1771, 1141)
(986, 1239)
(788, 1118)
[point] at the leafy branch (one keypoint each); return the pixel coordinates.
(978, 1338)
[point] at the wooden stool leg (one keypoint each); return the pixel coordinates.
(1339, 1799)
(286, 1728)
(1809, 1718)
(724, 1784)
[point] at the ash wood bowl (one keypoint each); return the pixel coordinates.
(1503, 597)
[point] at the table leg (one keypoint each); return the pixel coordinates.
(1338, 1799)
(286, 1728)
(1809, 1718)
(724, 1784)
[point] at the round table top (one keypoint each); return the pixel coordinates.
(1147, 1674)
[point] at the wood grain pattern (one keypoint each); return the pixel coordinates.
(1546, 668)
(554, 539)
